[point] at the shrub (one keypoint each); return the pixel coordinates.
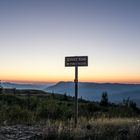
(104, 99)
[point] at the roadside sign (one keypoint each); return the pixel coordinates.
(76, 61)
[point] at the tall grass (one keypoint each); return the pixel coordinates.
(94, 129)
(113, 122)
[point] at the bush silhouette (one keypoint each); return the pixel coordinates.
(104, 99)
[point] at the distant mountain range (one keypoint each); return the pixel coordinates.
(24, 85)
(90, 91)
(93, 91)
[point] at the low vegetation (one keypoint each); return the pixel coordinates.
(97, 120)
(94, 129)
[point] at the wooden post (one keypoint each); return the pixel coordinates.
(75, 61)
(76, 95)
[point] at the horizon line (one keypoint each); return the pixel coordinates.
(54, 82)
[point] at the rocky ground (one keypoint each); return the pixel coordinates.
(105, 129)
(20, 132)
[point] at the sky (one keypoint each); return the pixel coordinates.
(36, 35)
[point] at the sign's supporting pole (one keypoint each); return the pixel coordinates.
(76, 95)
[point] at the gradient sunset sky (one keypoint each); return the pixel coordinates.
(36, 35)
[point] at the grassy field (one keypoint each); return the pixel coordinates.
(94, 129)
(54, 113)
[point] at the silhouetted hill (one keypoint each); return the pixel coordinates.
(92, 91)
(24, 85)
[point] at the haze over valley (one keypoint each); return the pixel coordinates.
(89, 91)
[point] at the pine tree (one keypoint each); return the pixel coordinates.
(104, 99)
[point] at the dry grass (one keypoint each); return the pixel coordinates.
(110, 121)
(96, 129)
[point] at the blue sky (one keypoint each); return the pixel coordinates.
(36, 35)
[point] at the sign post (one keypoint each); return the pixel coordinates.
(76, 95)
(76, 61)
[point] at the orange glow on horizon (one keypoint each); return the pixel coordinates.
(68, 75)
(55, 80)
